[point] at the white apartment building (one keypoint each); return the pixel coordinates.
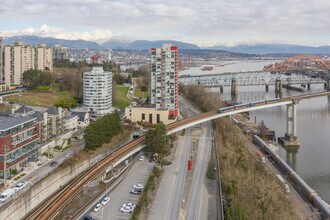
(164, 78)
(97, 91)
(20, 57)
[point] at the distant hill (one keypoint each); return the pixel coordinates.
(115, 44)
(50, 41)
(146, 45)
(274, 49)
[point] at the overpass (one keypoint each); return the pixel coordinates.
(49, 208)
(250, 78)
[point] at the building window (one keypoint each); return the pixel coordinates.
(143, 117)
(150, 118)
(158, 118)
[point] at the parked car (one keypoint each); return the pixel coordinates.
(20, 186)
(97, 208)
(141, 158)
(6, 194)
(128, 205)
(126, 209)
(135, 192)
(138, 186)
(105, 200)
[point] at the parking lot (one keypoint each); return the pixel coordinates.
(121, 194)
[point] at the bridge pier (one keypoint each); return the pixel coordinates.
(328, 84)
(278, 85)
(291, 135)
(309, 86)
(234, 86)
(221, 89)
(267, 87)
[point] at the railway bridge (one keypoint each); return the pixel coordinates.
(53, 204)
(252, 78)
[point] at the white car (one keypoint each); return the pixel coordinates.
(126, 209)
(138, 186)
(97, 208)
(128, 205)
(105, 200)
(19, 186)
(141, 158)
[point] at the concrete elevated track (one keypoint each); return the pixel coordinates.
(52, 205)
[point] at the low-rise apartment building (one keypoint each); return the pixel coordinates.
(18, 144)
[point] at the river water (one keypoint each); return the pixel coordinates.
(312, 160)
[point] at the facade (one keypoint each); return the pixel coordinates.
(97, 91)
(150, 115)
(55, 125)
(83, 118)
(20, 57)
(60, 53)
(18, 144)
(43, 57)
(164, 78)
(71, 123)
(1, 66)
(17, 59)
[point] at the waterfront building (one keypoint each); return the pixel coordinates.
(97, 91)
(164, 78)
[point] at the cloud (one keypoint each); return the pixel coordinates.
(293, 21)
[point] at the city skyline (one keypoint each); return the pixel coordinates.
(205, 24)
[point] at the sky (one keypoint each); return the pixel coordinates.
(206, 23)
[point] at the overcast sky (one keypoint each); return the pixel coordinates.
(207, 22)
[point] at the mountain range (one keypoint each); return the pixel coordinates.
(261, 49)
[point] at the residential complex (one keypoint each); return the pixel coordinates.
(20, 57)
(97, 91)
(60, 53)
(164, 78)
(18, 144)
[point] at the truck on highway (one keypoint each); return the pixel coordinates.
(282, 180)
(6, 194)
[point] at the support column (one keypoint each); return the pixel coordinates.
(291, 135)
(221, 89)
(328, 84)
(278, 85)
(234, 86)
(267, 87)
(309, 86)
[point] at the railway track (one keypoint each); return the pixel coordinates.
(54, 203)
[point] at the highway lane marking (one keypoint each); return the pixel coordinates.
(181, 215)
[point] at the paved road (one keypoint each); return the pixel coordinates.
(198, 200)
(166, 204)
(139, 173)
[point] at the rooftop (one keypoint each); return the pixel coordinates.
(10, 122)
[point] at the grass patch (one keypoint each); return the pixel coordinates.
(4, 107)
(42, 99)
(56, 88)
(139, 93)
(40, 88)
(119, 97)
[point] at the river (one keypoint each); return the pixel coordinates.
(312, 160)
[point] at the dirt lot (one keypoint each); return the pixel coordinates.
(42, 99)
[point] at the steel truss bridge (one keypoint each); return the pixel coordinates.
(249, 78)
